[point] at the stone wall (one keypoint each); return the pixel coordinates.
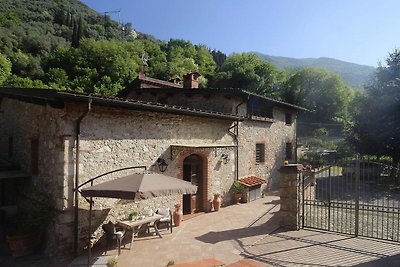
(205, 101)
(113, 139)
(110, 139)
(290, 196)
(275, 136)
(24, 122)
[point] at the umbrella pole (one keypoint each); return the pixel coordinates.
(89, 234)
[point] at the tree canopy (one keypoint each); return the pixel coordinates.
(5, 68)
(318, 90)
(376, 126)
(247, 71)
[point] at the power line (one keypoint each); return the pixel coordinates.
(118, 12)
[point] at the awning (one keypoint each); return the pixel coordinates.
(175, 149)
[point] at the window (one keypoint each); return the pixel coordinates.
(260, 153)
(289, 153)
(288, 119)
(259, 108)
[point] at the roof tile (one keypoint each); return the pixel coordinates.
(251, 181)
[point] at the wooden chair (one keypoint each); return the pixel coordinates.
(167, 218)
(112, 234)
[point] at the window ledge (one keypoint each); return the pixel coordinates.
(257, 118)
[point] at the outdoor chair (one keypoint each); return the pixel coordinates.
(166, 219)
(112, 234)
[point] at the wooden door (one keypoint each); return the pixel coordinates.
(192, 172)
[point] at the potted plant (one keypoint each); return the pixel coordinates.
(132, 216)
(112, 262)
(24, 238)
(237, 189)
(29, 226)
(217, 201)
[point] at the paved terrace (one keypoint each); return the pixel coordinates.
(245, 231)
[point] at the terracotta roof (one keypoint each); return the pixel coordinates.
(160, 83)
(56, 98)
(251, 181)
(215, 91)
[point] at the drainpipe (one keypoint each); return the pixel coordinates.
(236, 139)
(76, 211)
(296, 140)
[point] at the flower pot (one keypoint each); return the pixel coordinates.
(217, 203)
(178, 215)
(23, 244)
(238, 197)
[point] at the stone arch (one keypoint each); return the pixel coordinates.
(203, 203)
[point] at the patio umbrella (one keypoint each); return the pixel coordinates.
(137, 186)
(140, 186)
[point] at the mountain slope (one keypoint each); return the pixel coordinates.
(354, 74)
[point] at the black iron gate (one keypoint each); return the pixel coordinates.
(361, 198)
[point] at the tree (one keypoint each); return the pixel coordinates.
(218, 57)
(376, 127)
(318, 90)
(205, 61)
(246, 71)
(19, 82)
(76, 33)
(180, 57)
(93, 67)
(157, 64)
(5, 68)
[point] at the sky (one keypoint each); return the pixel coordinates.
(357, 31)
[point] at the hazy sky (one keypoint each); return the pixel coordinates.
(359, 31)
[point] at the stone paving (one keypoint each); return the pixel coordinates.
(247, 231)
(312, 248)
(220, 235)
(252, 231)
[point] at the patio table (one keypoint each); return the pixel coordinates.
(135, 226)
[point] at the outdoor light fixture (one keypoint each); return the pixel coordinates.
(162, 164)
(225, 158)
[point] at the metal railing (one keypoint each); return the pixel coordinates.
(360, 198)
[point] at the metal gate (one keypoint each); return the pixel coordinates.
(360, 198)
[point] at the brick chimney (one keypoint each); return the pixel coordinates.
(175, 80)
(141, 74)
(191, 80)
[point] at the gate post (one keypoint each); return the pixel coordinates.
(290, 195)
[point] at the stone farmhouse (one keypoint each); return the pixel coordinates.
(55, 140)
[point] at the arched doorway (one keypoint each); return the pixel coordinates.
(193, 172)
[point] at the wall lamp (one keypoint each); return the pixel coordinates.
(225, 158)
(162, 165)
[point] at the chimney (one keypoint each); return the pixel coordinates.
(175, 80)
(141, 74)
(191, 80)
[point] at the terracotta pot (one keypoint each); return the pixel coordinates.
(177, 216)
(217, 203)
(24, 244)
(238, 197)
